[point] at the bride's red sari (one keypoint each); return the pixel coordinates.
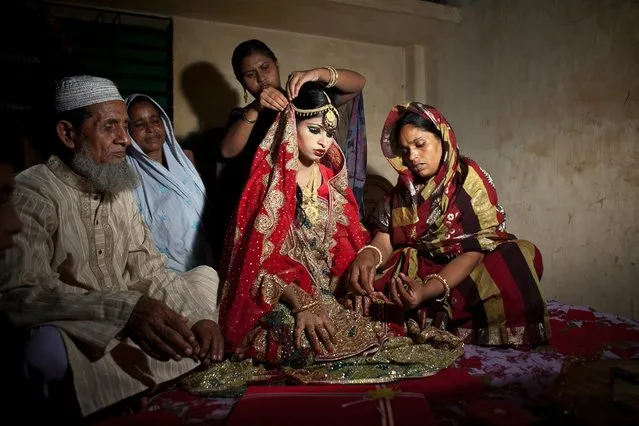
(268, 249)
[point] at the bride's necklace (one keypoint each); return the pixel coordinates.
(309, 196)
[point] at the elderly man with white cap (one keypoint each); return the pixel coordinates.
(101, 309)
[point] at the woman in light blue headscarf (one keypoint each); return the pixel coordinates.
(171, 195)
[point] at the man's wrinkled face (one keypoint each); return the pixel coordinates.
(104, 134)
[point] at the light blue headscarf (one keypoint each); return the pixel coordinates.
(171, 200)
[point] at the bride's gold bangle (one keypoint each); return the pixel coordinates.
(305, 307)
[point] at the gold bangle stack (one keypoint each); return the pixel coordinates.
(334, 77)
(305, 307)
(444, 283)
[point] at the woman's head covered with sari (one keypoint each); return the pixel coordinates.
(256, 268)
(443, 203)
(171, 196)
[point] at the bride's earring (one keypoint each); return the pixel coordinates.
(245, 97)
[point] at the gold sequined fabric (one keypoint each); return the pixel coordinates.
(310, 245)
(398, 358)
(225, 379)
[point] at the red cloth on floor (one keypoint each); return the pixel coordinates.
(446, 387)
(337, 405)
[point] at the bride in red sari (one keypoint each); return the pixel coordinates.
(294, 234)
(296, 231)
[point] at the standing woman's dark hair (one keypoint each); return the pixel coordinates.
(246, 48)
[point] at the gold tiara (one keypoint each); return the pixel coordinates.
(331, 115)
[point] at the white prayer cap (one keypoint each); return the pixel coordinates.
(84, 90)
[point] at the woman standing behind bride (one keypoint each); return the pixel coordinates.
(258, 71)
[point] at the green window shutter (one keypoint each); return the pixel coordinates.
(138, 58)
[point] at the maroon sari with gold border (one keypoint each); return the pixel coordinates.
(454, 212)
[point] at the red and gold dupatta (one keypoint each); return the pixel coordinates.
(255, 269)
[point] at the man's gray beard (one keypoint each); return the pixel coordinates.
(110, 177)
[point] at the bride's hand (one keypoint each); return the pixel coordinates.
(318, 327)
(361, 273)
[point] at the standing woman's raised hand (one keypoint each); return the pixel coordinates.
(270, 98)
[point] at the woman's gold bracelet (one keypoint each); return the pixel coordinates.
(379, 252)
(332, 81)
(444, 283)
(245, 117)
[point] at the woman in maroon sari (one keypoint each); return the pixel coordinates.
(294, 234)
(441, 254)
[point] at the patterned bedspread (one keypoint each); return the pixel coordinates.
(518, 378)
